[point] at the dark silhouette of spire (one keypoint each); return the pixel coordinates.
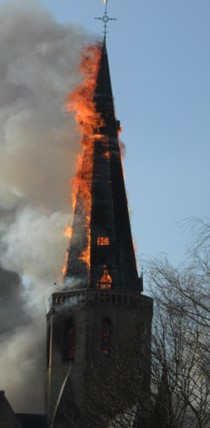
(111, 246)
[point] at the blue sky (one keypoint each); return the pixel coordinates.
(160, 67)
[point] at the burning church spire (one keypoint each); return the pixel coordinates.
(104, 304)
(101, 236)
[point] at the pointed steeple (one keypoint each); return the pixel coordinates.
(104, 81)
(111, 252)
(163, 415)
(103, 96)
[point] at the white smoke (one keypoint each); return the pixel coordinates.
(38, 143)
(23, 367)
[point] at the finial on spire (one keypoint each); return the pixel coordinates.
(106, 18)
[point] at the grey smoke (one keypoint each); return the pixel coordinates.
(38, 144)
(10, 299)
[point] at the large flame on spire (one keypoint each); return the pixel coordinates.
(89, 122)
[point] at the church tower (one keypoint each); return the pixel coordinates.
(99, 324)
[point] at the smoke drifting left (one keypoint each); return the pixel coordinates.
(38, 143)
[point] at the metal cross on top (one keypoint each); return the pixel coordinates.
(106, 18)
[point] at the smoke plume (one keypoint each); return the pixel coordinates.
(38, 143)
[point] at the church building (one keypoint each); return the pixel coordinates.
(99, 322)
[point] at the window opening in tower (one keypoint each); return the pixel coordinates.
(70, 341)
(105, 282)
(102, 240)
(106, 336)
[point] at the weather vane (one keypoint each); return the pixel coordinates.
(106, 18)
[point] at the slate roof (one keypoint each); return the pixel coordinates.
(8, 418)
(32, 420)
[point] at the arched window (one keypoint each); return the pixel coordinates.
(113, 299)
(106, 336)
(48, 344)
(105, 282)
(70, 340)
(125, 299)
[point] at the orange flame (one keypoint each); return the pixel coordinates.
(68, 231)
(63, 269)
(106, 280)
(89, 122)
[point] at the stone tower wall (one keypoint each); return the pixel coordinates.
(130, 317)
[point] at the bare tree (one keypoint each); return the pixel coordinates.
(118, 384)
(181, 331)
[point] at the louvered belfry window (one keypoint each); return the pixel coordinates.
(70, 340)
(106, 336)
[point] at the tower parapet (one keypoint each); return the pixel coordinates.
(90, 297)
